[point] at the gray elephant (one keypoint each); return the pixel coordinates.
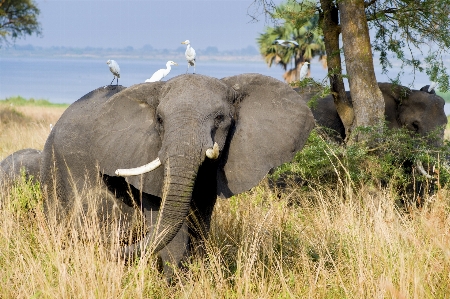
(203, 137)
(417, 110)
(27, 160)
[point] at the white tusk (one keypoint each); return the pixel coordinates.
(139, 170)
(213, 153)
(422, 170)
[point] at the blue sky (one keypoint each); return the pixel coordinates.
(162, 24)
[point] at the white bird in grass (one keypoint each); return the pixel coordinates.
(286, 43)
(161, 73)
(190, 55)
(115, 69)
(304, 70)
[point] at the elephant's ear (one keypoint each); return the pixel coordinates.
(397, 92)
(393, 95)
(127, 136)
(272, 124)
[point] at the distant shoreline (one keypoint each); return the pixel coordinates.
(249, 54)
(253, 58)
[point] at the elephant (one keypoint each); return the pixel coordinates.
(204, 138)
(417, 110)
(27, 160)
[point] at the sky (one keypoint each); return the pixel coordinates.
(224, 24)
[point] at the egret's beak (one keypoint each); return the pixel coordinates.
(175, 63)
(183, 42)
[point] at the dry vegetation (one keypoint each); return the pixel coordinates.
(330, 242)
(25, 126)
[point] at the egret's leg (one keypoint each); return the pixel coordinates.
(117, 81)
(112, 80)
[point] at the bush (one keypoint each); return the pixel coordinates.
(389, 162)
(25, 194)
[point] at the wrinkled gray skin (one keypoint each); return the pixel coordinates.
(257, 121)
(28, 160)
(418, 111)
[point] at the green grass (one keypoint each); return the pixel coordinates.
(20, 101)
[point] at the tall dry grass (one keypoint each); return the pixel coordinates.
(25, 127)
(291, 243)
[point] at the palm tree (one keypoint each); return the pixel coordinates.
(299, 25)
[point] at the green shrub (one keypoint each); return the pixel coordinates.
(25, 194)
(390, 161)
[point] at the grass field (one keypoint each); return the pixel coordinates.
(316, 242)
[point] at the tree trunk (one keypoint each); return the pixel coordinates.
(331, 30)
(368, 102)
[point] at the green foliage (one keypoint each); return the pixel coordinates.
(18, 18)
(406, 29)
(25, 194)
(20, 101)
(299, 23)
(309, 85)
(390, 163)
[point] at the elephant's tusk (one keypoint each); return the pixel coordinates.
(139, 170)
(422, 170)
(213, 153)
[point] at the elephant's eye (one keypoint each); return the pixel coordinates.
(159, 119)
(415, 125)
(218, 119)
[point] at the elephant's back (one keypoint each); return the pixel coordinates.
(70, 138)
(27, 159)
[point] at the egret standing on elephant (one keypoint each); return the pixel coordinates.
(115, 70)
(190, 55)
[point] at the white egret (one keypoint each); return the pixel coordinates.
(115, 69)
(286, 43)
(190, 55)
(161, 73)
(304, 70)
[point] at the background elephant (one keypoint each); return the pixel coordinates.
(246, 124)
(28, 160)
(418, 111)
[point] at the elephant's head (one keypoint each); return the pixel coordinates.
(418, 111)
(242, 125)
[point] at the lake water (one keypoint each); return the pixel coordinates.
(64, 80)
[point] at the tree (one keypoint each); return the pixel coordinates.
(402, 29)
(18, 18)
(305, 32)
(367, 99)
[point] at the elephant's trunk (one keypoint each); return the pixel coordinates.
(180, 175)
